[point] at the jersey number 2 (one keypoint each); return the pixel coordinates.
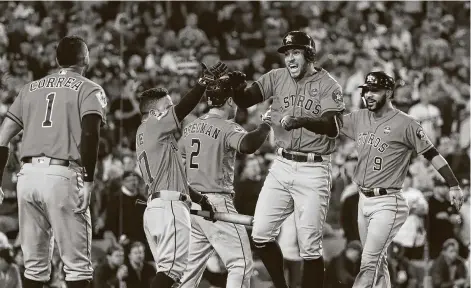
(50, 103)
(378, 163)
(195, 153)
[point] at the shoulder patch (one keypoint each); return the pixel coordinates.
(101, 98)
(238, 128)
(421, 134)
(337, 96)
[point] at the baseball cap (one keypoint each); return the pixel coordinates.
(379, 80)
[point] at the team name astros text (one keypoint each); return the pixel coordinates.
(301, 101)
(372, 140)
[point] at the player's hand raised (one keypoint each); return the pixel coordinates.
(211, 74)
(266, 117)
(456, 197)
(237, 80)
(206, 205)
(85, 191)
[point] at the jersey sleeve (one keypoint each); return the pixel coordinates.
(348, 127)
(416, 138)
(168, 122)
(332, 99)
(94, 102)
(15, 113)
(266, 84)
(234, 136)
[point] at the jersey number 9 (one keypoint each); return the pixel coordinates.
(378, 164)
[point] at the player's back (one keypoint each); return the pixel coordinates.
(51, 110)
(209, 156)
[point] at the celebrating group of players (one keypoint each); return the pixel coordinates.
(61, 116)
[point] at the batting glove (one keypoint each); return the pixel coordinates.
(237, 80)
(206, 205)
(290, 123)
(211, 74)
(456, 197)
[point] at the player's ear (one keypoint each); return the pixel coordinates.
(389, 94)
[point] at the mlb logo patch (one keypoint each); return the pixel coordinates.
(387, 130)
(313, 92)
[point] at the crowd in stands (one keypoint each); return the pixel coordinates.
(138, 45)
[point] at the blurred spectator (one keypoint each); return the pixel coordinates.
(428, 115)
(9, 272)
(123, 216)
(443, 219)
(412, 235)
(140, 273)
(401, 272)
(343, 268)
(349, 203)
(449, 270)
(192, 33)
(19, 261)
(109, 274)
(248, 185)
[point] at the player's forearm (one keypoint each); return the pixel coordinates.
(249, 96)
(89, 144)
(8, 130)
(254, 139)
(189, 101)
(327, 125)
(195, 195)
(440, 164)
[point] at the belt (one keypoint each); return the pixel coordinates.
(169, 196)
(301, 157)
(372, 192)
(53, 161)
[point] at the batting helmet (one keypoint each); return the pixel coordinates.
(218, 92)
(378, 80)
(299, 40)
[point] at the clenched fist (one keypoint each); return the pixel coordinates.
(290, 122)
(237, 80)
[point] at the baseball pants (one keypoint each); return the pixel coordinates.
(229, 241)
(47, 196)
(379, 220)
(299, 187)
(167, 227)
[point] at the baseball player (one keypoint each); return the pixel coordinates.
(61, 116)
(386, 139)
(307, 104)
(209, 145)
(167, 216)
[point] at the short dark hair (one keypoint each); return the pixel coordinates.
(149, 97)
(113, 248)
(70, 51)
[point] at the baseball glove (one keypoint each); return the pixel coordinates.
(211, 74)
(237, 80)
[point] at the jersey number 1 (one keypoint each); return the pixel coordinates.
(145, 168)
(50, 103)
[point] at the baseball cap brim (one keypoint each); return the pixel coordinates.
(284, 48)
(370, 86)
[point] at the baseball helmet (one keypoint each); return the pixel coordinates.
(218, 92)
(378, 80)
(299, 40)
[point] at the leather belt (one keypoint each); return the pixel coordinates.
(53, 161)
(300, 157)
(174, 196)
(372, 192)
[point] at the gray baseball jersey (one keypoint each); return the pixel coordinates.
(209, 146)
(157, 153)
(50, 111)
(312, 96)
(385, 146)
